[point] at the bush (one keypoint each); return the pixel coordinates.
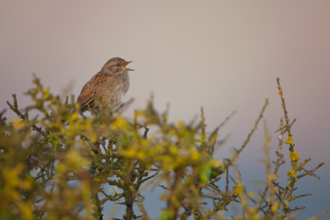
(56, 165)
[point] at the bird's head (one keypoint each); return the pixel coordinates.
(116, 65)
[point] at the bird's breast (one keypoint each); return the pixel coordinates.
(125, 82)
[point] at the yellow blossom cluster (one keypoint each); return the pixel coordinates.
(291, 173)
(294, 156)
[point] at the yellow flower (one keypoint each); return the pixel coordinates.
(271, 177)
(60, 168)
(194, 155)
(275, 206)
(291, 173)
(97, 178)
(93, 138)
(26, 184)
(137, 114)
(254, 216)
(215, 163)
(238, 189)
(140, 155)
(74, 159)
(55, 141)
(26, 210)
(120, 123)
(289, 141)
(159, 148)
(13, 181)
(294, 156)
(12, 175)
(74, 116)
(17, 123)
(129, 153)
(280, 92)
(88, 127)
(46, 94)
(173, 149)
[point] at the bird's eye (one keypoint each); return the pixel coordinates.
(117, 64)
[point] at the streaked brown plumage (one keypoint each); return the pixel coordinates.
(110, 85)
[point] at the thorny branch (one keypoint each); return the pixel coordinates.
(14, 107)
(184, 189)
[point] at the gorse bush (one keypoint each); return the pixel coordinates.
(56, 165)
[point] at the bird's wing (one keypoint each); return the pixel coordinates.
(101, 85)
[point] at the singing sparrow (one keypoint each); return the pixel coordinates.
(110, 85)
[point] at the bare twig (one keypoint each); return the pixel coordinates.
(14, 107)
(311, 171)
(287, 120)
(145, 132)
(251, 133)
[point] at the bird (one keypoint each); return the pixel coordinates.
(110, 85)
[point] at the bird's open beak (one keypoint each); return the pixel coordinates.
(128, 69)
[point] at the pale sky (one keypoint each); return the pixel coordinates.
(222, 55)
